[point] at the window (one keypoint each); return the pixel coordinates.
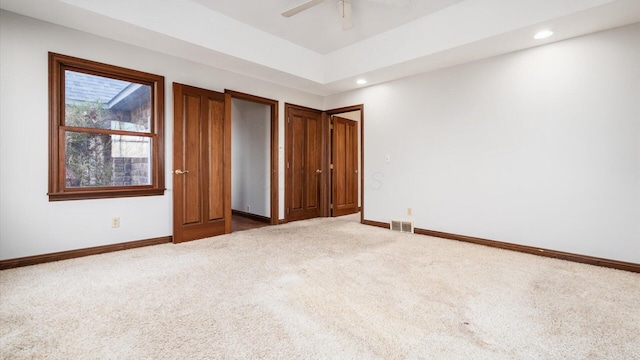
(106, 131)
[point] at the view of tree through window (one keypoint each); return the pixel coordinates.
(106, 159)
(106, 130)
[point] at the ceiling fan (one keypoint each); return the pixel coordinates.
(344, 8)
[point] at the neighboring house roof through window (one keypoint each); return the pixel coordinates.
(81, 87)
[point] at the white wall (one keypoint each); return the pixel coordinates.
(539, 147)
(250, 157)
(29, 223)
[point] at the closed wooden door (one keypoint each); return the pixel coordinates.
(201, 163)
(345, 166)
(304, 164)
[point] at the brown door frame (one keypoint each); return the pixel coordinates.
(275, 202)
(324, 176)
(326, 186)
(328, 114)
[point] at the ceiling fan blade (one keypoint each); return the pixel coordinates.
(344, 6)
(301, 8)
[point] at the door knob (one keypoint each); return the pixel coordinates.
(318, 171)
(180, 172)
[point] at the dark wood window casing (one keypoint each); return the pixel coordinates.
(151, 137)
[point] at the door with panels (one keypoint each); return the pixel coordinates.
(304, 163)
(202, 163)
(344, 166)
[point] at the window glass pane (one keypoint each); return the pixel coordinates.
(104, 103)
(107, 160)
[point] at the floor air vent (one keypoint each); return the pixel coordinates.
(402, 226)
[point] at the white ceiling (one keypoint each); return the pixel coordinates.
(318, 28)
(310, 52)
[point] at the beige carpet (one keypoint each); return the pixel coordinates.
(319, 289)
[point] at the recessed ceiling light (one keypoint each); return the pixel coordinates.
(543, 34)
(361, 81)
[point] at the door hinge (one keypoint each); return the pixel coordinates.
(331, 166)
(331, 206)
(288, 210)
(287, 164)
(331, 126)
(288, 119)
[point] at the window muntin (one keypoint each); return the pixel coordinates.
(106, 131)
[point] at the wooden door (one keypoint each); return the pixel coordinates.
(304, 164)
(345, 166)
(201, 163)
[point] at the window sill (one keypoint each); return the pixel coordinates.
(103, 194)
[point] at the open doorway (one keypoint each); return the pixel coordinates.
(254, 181)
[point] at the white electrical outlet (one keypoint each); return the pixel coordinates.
(409, 211)
(248, 208)
(115, 222)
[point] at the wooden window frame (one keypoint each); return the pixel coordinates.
(58, 191)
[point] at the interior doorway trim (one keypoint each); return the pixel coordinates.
(274, 146)
(341, 110)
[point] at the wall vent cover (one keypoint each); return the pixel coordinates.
(402, 226)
